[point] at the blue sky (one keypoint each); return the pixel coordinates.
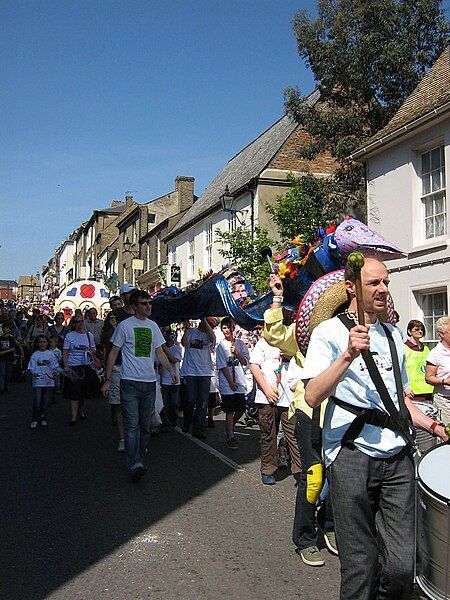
(108, 96)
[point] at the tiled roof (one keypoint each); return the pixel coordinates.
(243, 167)
(431, 92)
(7, 283)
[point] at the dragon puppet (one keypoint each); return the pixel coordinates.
(299, 266)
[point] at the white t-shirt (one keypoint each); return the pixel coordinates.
(42, 365)
(214, 383)
(440, 357)
(175, 352)
(78, 345)
(224, 359)
(197, 360)
(269, 359)
(328, 341)
(138, 340)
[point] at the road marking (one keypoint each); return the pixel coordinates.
(212, 451)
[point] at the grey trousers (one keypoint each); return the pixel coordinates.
(369, 496)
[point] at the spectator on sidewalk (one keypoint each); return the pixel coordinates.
(94, 326)
(416, 357)
(437, 371)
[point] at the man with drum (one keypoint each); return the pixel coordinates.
(367, 451)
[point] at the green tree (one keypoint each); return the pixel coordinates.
(309, 204)
(239, 247)
(366, 57)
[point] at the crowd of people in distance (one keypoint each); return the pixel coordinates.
(318, 414)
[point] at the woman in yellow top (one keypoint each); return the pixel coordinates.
(416, 355)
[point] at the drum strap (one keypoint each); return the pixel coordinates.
(395, 420)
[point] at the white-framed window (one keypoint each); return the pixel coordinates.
(158, 250)
(232, 222)
(432, 170)
(134, 239)
(172, 255)
(208, 246)
(148, 255)
(433, 306)
(191, 258)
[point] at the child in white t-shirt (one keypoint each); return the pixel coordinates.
(43, 365)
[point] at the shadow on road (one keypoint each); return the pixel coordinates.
(66, 500)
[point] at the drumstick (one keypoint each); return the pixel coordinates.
(356, 261)
(266, 253)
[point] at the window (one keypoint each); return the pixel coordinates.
(151, 218)
(433, 192)
(191, 258)
(158, 250)
(232, 224)
(134, 233)
(433, 306)
(208, 245)
(172, 255)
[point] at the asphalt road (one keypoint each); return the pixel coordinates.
(74, 526)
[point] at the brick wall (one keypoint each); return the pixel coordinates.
(287, 157)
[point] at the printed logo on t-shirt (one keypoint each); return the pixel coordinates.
(196, 344)
(43, 363)
(383, 363)
(142, 341)
(4, 344)
(80, 347)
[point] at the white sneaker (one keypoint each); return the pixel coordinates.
(121, 446)
(43, 422)
(33, 425)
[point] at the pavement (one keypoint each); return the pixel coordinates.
(199, 525)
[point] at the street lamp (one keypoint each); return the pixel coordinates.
(227, 201)
(127, 247)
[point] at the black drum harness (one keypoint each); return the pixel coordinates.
(394, 419)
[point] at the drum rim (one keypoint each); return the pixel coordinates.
(437, 495)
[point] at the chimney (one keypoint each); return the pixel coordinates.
(115, 203)
(128, 201)
(184, 186)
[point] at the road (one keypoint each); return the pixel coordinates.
(75, 527)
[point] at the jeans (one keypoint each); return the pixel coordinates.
(41, 400)
(197, 394)
(371, 495)
(304, 532)
(138, 405)
(6, 368)
(171, 399)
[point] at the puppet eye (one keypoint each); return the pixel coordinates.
(348, 227)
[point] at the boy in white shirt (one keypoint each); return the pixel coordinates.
(231, 355)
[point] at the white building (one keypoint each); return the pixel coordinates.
(407, 170)
(255, 176)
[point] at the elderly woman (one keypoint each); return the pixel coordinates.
(78, 351)
(437, 371)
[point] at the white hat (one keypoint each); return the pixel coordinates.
(126, 288)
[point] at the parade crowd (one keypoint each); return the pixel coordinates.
(347, 438)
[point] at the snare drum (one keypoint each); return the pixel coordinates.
(433, 523)
(424, 439)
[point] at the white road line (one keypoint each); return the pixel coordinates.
(212, 451)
